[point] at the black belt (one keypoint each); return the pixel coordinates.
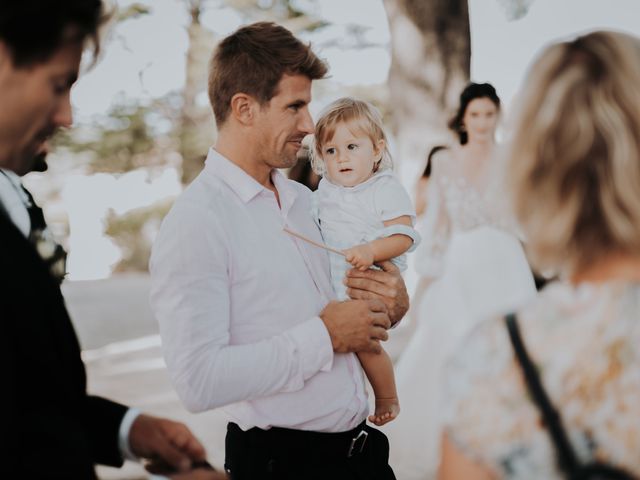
(288, 442)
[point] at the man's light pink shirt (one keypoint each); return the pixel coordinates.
(237, 300)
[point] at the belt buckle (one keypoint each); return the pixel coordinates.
(354, 441)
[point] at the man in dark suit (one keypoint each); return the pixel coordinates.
(52, 428)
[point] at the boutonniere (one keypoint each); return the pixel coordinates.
(51, 253)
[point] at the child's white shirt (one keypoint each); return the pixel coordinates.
(350, 216)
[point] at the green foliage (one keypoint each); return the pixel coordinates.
(132, 11)
(124, 139)
(134, 233)
(290, 13)
(515, 9)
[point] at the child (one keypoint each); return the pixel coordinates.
(362, 210)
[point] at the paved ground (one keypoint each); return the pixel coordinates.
(124, 361)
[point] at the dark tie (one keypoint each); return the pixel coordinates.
(36, 216)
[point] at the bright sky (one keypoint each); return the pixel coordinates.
(502, 50)
(146, 57)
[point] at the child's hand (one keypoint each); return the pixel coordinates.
(360, 256)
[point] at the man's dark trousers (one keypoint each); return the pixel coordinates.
(283, 454)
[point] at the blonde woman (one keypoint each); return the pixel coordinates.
(554, 391)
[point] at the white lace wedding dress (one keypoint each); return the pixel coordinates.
(478, 269)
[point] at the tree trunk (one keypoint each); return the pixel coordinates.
(197, 126)
(430, 65)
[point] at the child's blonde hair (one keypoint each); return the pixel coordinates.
(347, 109)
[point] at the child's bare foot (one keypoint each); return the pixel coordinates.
(387, 409)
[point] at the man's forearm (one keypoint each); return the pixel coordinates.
(211, 376)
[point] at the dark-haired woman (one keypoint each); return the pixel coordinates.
(476, 267)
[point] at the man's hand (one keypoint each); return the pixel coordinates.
(386, 285)
(360, 256)
(166, 442)
(356, 326)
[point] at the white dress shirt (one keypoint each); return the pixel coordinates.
(237, 300)
(14, 201)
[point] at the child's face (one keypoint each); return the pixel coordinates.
(350, 156)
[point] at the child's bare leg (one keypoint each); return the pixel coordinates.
(379, 370)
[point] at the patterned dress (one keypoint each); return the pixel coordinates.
(585, 342)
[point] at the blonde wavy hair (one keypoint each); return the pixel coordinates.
(574, 160)
(365, 116)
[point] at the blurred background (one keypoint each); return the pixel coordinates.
(143, 126)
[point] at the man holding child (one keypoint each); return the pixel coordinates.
(246, 310)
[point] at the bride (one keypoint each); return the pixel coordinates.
(471, 264)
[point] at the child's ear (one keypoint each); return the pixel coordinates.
(243, 108)
(379, 148)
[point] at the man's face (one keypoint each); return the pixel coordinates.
(34, 103)
(284, 121)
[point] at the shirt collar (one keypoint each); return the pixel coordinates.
(12, 177)
(243, 184)
(16, 185)
(286, 190)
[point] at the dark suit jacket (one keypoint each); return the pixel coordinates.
(51, 428)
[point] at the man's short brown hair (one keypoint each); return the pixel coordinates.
(252, 60)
